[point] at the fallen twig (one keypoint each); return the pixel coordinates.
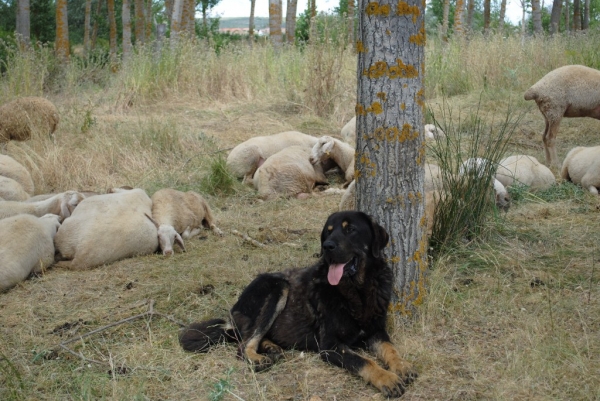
(246, 238)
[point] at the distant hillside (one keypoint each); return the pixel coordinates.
(242, 22)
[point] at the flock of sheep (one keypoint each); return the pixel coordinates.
(81, 230)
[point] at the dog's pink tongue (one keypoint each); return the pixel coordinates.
(335, 273)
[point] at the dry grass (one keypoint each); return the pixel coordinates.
(514, 317)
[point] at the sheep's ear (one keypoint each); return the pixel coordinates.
(152, 220)
(327, 146)
(64, 206)
(179, 241)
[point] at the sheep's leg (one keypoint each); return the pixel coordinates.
(588, 182)
(549, 139)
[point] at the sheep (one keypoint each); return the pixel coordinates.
(11, 168)
(106, 228)
(432, 198)
(61, 204)
(178, 216)
(582, 166)
(568, 91)
(480, 167)
(26, 246)
(525, 170)
(11, 190)
(329, 148)
(245, 158)
(348, 132)
(289, 172)
(22, 116)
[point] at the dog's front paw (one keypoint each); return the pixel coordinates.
(261, 363)
(406, 371)
(390, 384)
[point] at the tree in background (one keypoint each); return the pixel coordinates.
(536, 16)
(126, 22)
(140, 22)
(23, 23)
(390, 148)
(275, 23)
(62, 30)
(458, 14)
(251, 22)
(112, 37)
(290, 20)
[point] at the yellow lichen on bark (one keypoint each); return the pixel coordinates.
(404, 9)
(400, 70)
(375, 9)
(382, 96)
(360, 47)
(420, 98)
(421, 155)
(419, 38)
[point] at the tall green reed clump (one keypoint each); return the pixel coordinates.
(466, 200)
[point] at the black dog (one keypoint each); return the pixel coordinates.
(337, 305)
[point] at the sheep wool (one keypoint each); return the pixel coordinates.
(582, 166)
(11, 168)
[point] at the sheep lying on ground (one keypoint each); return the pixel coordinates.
(480, 167)
(11, 190)
(582, 166)
(61, 204)
(288, 173)
(245, 158)
(524, 170)
(342, 154)
(348, 132)
(22, 116)
(178, 216)
(569, 91)
(106, 228)
(26, 246)
(11, 168)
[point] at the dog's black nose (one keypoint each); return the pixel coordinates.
(329, 245)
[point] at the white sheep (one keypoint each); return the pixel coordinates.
(568, 91)
(11, 190)
(288, 173)
(342, 154)
(180, 215)
(245, 158)
(26, 246)
(582, 166)
(11, 168)
(61, 204)
(480, 166)
(107, 228)
(348, 132)
(524, 170)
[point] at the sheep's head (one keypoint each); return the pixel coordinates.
(321, 149)
(167, 236)
(502, 196)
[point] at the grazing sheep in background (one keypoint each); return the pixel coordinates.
(11, 190)
(525, 170)
(61, 204)
(569, 91)
(479, 167)
(26, 246)
(348, 132)
(22, 116)
(106, 228)
(245, 158)
(11, 168)
(178, 216)
(582, 166)
(342, 154)
(288, 173)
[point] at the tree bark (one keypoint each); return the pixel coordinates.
(62, 31)
(568, 27)
(470, 10)
(126, 22)
(87, 27)
(536, 15)
(188, 17)
(555, 17)
(275, 23)
(486, 15)
(251, 23)
(176, 20)
(576, 15)
(586, 15)
(502, 16)
(290, 21)
(458, 14)
(95, 28)
(140, 23)
(445, 16)
(110, 4)
(148, 19)
(350, 16)
(23, 23)
(390, 148)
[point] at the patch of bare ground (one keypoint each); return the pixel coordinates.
(513, 316)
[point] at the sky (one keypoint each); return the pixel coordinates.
(241, 8)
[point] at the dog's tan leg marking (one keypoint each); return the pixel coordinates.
(387, 382)
(389, 355)
(258, 361)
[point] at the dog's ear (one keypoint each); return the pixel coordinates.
(324, 236)
(380, 238)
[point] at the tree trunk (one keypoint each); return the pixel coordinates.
(502, 16)
(524, 8)
(470, 10)
(586, 15)
(169, 10)
(23, 23)
(576, 15)
(110, 4)
(536, 15)
(555, 17)
(350, 17)
(486, 15)
(95, 28)
(87, 27)
(188, 17)
(275, 23)
(176, 20)
(126, 21)
(62, 31)
(148, 19)
(567, 17)
(251, 23)
(390, 148)
(458, 13)
(290, 21)
(445, 15)
(140, 23)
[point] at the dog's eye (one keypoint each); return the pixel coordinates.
(349, 229)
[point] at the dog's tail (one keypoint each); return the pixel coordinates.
(199, 337)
